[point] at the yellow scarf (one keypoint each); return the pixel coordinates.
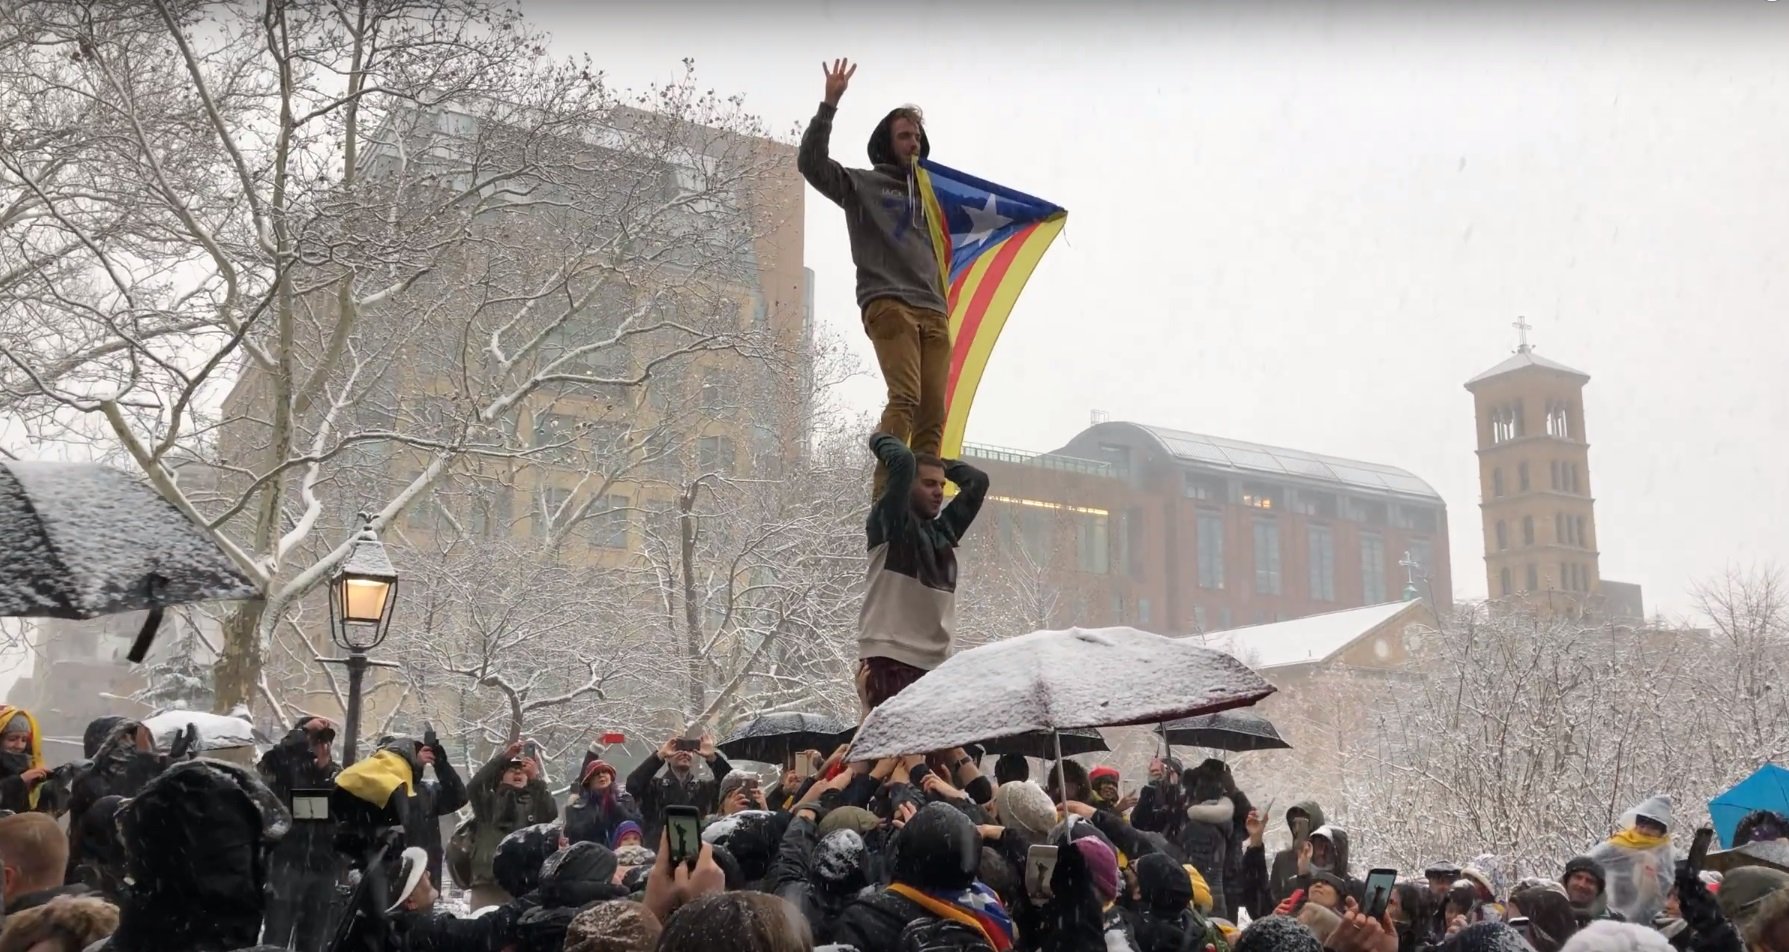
(942, 910)
(375, 778)
(35, 750)
(1631, 838)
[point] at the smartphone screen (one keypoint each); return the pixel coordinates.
(1377, 893)
(683, 833)
(1040, 866)
(1699, 848)
(688, 743)
(803, 766)
(1521, 925)
(612, 738)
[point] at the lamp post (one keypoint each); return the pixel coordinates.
(361, 594)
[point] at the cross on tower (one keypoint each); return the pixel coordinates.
(1522, 327)
(1410, 566)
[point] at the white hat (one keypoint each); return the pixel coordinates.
(414, 863)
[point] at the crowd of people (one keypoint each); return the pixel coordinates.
(171, 852)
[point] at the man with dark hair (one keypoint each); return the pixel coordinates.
(900, 285)
(909, 608)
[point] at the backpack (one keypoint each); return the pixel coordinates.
(941, 935)
(459, 852)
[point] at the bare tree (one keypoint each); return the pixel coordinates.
(342, 252)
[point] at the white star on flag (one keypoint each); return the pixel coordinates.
(983, 222)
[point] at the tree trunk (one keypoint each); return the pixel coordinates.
(238, 665)
(686, 529)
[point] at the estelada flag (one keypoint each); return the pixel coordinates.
(989, 238)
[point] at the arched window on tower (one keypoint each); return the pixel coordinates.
(1528, 530)
(1559, 420)
(1522, 477)
(1502, 536)
(1503, 577)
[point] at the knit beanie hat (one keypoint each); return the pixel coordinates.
(616, 926)
(1024, 806)
(1102, 867)
(847, 818)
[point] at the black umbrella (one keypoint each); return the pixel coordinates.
(770, 738)
(79, 540)
(1040, 744)
(1237, 730)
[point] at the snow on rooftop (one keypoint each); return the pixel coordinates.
(1306, 640)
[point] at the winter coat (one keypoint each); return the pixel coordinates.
(1165, 921)
(289, 767)
(499, 810)
(1207, 847)
(590, 818)
(873, 922)
(45, 796)
(194, 839)
(116, 768)
(102, 852)
(654, 791)
(818, 876)
(430, 800)
(439, 932)
(1284, 869)
(571, 879)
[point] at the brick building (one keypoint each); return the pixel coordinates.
(1178, 532)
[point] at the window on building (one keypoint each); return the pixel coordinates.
(1267, 557)
(1092, 546)
(1199, 618)
(1577, 488)
(1553, 475)
(1369, 511)
(1143, 611)
(1559, 530)
(1503, 424)
(1121, 542)
(609, 521)
(1205, 488)
(1118, 609)
(713, 391)
(1422, 552)
(1502, 536)
(1210, 528)
(1419, 518)
(1527, 530)
(1323, 563)
(490, 512)
(1558, 421)
(1313, 503)
(1497, 483)
(1225, 620)
(1578, 532)
(1261, 495)
(660, 456)
(548, 501)
(1503, 577)
(715, 454)
(1372, 568)
(1522, 477)
(557, 430)
(1520, 419)
(1534, 578)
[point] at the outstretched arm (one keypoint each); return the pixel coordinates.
(895, 506)
(816, 165)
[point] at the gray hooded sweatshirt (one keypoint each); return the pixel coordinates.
(891, 243)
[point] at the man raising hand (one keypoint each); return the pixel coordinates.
(899, 286)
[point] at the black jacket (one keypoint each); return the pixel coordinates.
(654, 792)
(571, 879)
(594, 821)
(794, 879)
(291, 766)
(424, 808)
(439, 932)
(873, 923)
(116, 768)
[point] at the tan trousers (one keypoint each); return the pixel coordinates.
(913, 348)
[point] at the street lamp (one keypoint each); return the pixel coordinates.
(361, 594)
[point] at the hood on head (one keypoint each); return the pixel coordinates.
(98, 731)
(1310, 809)
(1656, 809)
(1166, 888)
(517, 863)
(938, 849)
(881, 147)
(1338, 842)
(196, 838)
(839, 866)
(752, 836)
(578, 875)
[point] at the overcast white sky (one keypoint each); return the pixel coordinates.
(1309, 223)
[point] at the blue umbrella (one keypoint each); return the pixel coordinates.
(1768, 789)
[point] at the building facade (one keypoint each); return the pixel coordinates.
(1178, 532)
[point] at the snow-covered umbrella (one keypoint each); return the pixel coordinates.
(1054, 681)
(79, 540)
(1045, 745)
(771, 738)
(1234, 731)
(216, 731)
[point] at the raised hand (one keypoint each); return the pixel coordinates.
(838, 79)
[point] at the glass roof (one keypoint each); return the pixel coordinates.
(1276, 461)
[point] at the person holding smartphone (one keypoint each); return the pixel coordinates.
(507, 794)
(684, 771)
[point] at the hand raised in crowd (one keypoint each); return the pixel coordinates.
(666, 749)
(903, 813)
(736, 801)
(1454, 925)
(838, 79)
(1304, 858)
(1127, 803)
(707, 749)
(1255, 826)
(669, 888)
(990, 833)
(1362, 933)
(939, 787)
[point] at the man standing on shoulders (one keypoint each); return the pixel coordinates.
(909, 609)
(899, 285)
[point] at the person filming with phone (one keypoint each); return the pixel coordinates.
(685, 771)
(507, 794)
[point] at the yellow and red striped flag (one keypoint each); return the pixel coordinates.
(989, 239)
